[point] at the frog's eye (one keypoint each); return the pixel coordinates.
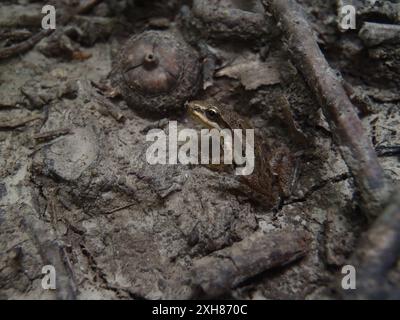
(211, 114)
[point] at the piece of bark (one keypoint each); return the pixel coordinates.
(252, 72)
(219, 19)
(225, 269)
(373, 34)
(53, 253)
(346, 127)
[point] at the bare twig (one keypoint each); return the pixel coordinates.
(120, 208)
(20, 34)
(388, 151)
(49, 135)
(25, 45)
(18, 122)
(346, 127)
(377, 253)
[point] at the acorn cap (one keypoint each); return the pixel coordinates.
(156, 72)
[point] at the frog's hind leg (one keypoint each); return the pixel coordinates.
(286, 168)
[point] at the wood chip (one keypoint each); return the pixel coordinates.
(252, 72)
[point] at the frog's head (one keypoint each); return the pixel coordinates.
(207, 113)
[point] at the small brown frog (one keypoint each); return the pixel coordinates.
(273, 173)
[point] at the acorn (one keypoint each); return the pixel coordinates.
(156, 72)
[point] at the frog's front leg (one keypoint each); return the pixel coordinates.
(221, 166)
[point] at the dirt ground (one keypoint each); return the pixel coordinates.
(85, 200)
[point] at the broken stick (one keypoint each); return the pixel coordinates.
(373, 34)
(223, 270)
(346, 127)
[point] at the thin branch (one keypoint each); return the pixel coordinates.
(325, 83)
(120, 208)
(49, 135)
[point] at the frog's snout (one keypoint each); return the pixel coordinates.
(190, 107)
(193, 106)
